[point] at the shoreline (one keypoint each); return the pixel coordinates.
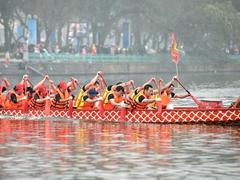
(17, 67)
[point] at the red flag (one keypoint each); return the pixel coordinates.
(174, 50)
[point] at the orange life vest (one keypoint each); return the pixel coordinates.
(79, 98)
(2, 99)
(138, 104)
(36, 105)
(86, 105)
(108, 105)
(11, 105)
(60, 104)
(166, 99)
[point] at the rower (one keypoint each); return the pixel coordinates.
(15, 98)
(111, 88)
(88, 101)
(167, 93)
(40, 94)
(62, 95)
(115, 99)
(94, 83)
(144, 97)
(132, 98)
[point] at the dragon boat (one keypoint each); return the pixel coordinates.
(176, 115)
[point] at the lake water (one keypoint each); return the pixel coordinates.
(72, 149)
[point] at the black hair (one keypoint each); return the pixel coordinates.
(119, 83)
(147, 87)
(119, 88)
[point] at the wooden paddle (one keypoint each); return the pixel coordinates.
(47, 109)
(104, 81)
(193, 97)
(202, 104)
(25, 102)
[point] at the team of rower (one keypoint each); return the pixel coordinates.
(94, 95)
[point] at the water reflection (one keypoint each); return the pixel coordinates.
(61, 149)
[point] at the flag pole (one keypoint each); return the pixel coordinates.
(176, 69)
(176, 65)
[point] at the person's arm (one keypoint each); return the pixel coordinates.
(168, 84)
(24, 79)
(111, 100)
(52, 86)
(73, 83)
(144, 100)
(148, 82)
(5, 83)
(93, 81)
(181, 96)
(46, 77)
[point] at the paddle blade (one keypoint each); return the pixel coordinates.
(211, 104)
(47, 107)
(196, 101)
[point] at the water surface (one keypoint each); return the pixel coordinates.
(59, 149)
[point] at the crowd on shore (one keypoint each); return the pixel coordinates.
(96, 94)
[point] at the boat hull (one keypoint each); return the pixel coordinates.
(178, 115)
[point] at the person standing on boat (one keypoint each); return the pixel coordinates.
(15, 98)
(167, 93)
(3, 88)
(89, 100)
(93, 84)
(115, 99)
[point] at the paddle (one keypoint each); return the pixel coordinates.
(202, 104)
(48, 102)
(70, 108)
(133, 86)
(25, 102)
(104, 81)
(193, 97)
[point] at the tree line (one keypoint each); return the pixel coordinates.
(206, 26)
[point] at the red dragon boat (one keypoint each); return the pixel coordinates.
(176, 115)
